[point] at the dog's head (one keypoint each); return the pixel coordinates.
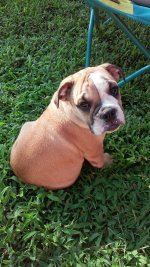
(92, 95)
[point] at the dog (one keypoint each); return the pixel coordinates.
(50, 151)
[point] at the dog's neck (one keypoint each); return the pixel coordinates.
(68, 115)
(67, 111)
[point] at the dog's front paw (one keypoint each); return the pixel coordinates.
(108, 160)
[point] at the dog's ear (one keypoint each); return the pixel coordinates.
(115, 71)
(63, 91)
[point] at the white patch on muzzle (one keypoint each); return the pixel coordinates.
(99, 125)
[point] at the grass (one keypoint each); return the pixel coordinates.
(104, 219)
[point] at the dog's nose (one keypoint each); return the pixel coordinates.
(108, 114)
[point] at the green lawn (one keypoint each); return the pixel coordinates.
(104, 219)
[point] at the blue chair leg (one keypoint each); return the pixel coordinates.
(130, 35)
(89, 39)
(134, 75)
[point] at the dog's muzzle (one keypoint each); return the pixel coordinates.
(109, 115)
(107, 119)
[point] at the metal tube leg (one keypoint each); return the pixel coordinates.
(134, 75)
(89, 39)
(130, 35)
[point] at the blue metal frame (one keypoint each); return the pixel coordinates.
(90, 35)
(129, 34)
(140, 13)
(134, 75)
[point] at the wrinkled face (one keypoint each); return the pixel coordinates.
(92, 96)
(99, 104)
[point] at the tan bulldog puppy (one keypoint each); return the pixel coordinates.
(50, 151)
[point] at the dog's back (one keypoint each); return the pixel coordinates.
(43, 154)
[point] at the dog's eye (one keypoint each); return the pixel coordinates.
(84, 106)
(114, 91)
